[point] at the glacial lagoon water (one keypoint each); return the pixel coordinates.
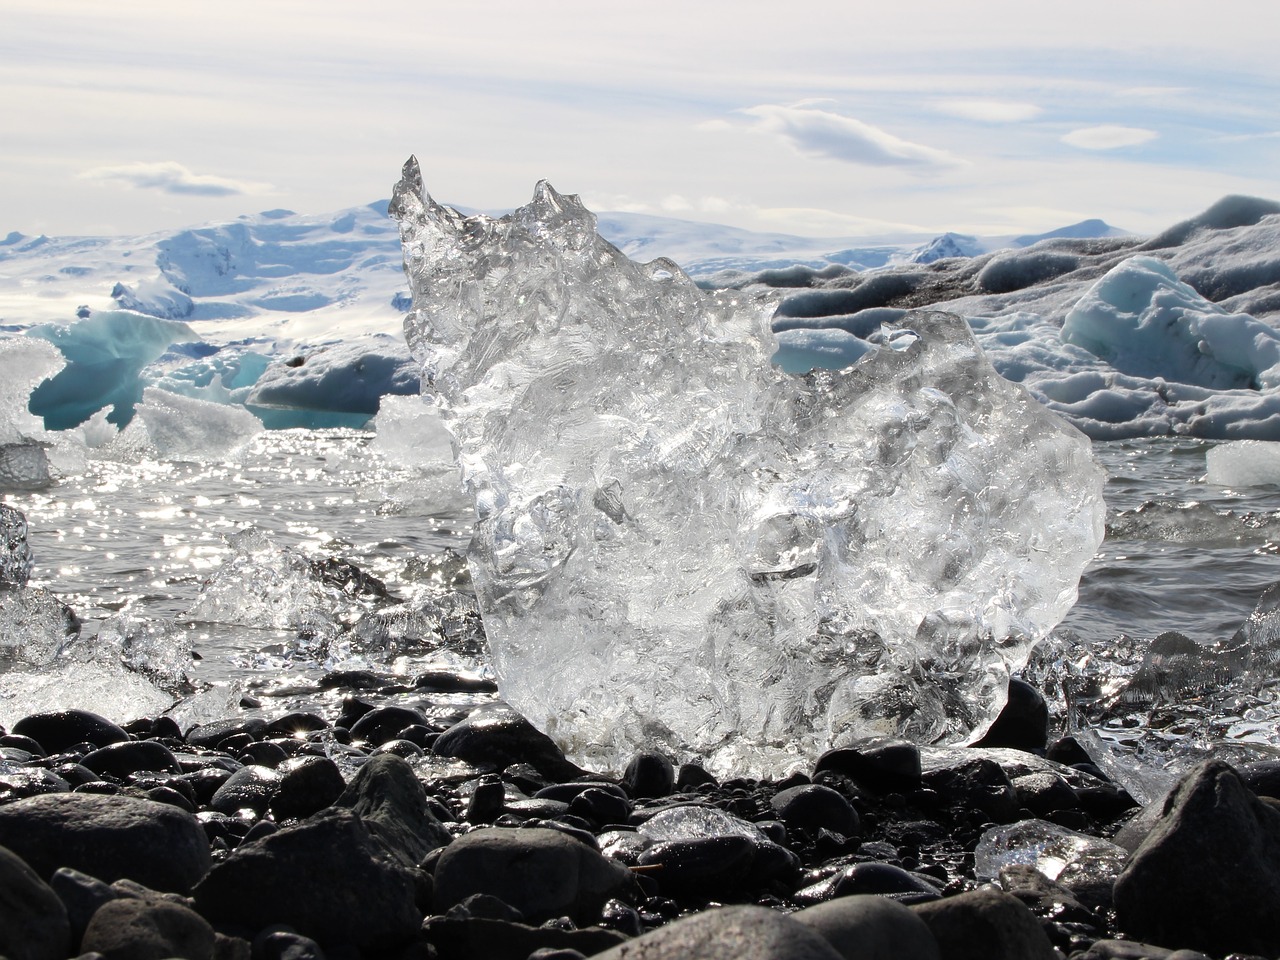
(148, 540)
(1180, 554)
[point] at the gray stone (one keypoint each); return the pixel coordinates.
(129, 929)
(985, 924)
(249, 788)
(728, 933)
(498, 736)
(508, 940)
(325, 877)
(82, 895)
(33, 921)
(307, 785)
(542, 873)
(59, 730)
(389, 798)
(108, 837)
(870, 928)
(1131, 950)
(1207, 876)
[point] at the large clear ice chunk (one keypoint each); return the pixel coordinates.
(679, 545)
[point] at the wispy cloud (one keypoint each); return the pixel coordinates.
(989, 111)
(1108, 137)
(172, 177)
(821, 133)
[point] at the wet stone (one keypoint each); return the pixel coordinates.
(59, 730)
(542, 873)
(128, 929)
(325, 877)
(496, 735)
(385, 723)
(211, 735)
(708, 866)
(1023, 722)
(649, 774)
(119, 760)
(296, 723)
(985, 924)
(870, 928)
(813, 807)
(249, 788)
(33, 920)
(263, 753)
(879, 764)
(391, 802)
(108, 837)
(306, 785)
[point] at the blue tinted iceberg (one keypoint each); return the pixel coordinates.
(681, 546)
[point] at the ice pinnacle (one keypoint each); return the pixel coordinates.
(680, 546)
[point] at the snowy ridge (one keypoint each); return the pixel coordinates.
(300, 317)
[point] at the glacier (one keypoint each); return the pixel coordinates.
(681, 546)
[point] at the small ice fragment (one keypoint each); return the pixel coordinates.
(108, 689)
(174, 427)
(34, 626)
(15, 551)
(695, 823)
(410, 432)
(1073, 859)
(1243, 463)
(264, 585)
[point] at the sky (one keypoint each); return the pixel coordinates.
(839, 119)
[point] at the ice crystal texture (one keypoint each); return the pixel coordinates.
(679, 545)
(15, 552)
(1073, 859)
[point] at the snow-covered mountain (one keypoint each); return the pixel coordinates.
(287, 281)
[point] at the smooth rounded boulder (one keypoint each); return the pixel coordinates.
(110, 837)
(129, 929)
(985, 924)
(1207, 875)
(325, 877)
(542, 873)
(33, 920)
(870, 927)
(728, 933)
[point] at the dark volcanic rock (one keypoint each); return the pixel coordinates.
(325, 877)
(542, 873)
(128, 929)
(1207, 875)
(813, 807)
(879, 764)
(249, 788)
(57, 731)
(121, 759)
(728, 933)
(385, 723)
(108, 837)
(390, 800)
(985, 924)
(496, 939)
(649, 774)
(307, 785)
(1023, 722)
(33, 921)
(870, 928)
(497, 735)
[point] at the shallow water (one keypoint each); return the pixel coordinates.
(145, 539)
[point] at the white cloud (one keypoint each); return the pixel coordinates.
(821, 133)
(1108, 137)
(989, 111)
(172, 177)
